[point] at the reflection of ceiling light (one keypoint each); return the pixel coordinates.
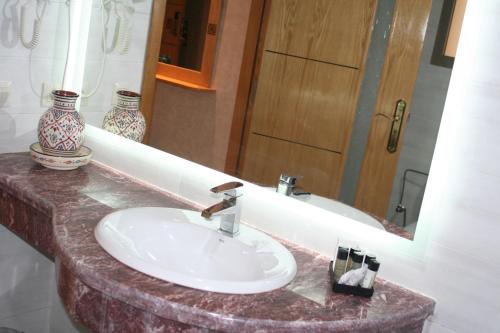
(79, 17)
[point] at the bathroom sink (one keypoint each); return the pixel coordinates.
(182, 247)
(337, 207)
(340, 208)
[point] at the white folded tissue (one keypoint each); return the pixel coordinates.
(353, 277)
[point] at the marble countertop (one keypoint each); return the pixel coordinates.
(56, 211)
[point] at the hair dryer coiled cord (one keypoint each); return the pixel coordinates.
(35, 37)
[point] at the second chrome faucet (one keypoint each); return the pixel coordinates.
(229, 209)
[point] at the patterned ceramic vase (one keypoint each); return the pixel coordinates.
(125, 119)
(60, 129)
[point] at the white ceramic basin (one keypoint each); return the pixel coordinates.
(338, 207)
(182, 247)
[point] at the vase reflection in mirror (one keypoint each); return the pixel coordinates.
(125, 118)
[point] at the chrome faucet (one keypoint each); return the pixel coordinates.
(287, 185)
(229, 208)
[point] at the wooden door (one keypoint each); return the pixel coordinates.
(397, 82)
(310, 68)
(172, 39)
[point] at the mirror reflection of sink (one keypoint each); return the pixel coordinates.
(182, 247)
(337, 207)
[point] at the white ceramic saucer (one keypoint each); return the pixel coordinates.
(78, 159)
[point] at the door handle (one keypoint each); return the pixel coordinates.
(397, 122)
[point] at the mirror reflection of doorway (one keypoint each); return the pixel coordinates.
(184, 33)
(311, 63)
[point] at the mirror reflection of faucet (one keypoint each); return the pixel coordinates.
(229, 208)
(287, 185)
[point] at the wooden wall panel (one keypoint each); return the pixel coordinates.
(269, 157)
(305, 101)
(313, 29)
(309, 71)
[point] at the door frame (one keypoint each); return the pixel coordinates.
(250, 63)
(153, 45)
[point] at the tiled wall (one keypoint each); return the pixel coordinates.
(26, 276)
(122, 69)
(26, 282)
(26, 70)
(59, 321)
(454, 255)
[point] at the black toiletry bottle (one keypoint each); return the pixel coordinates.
(349, 259)
(357, 259)
(369, 258)
(340, 263)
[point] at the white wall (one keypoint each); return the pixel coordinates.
(26, 70)
(26, 276)
(454, 255)
(26, 281)
(122, 69)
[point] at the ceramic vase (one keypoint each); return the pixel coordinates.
(61, 127)
(125, 118)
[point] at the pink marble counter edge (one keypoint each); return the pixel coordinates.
(173, 310)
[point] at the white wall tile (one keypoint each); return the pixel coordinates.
(25, 278)
(60, 322)
(52, 30)
(123, 69)
(16, 70)
(17, 132)
(431, 326)
(31, 322)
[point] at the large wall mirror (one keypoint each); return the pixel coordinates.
(341, 94)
